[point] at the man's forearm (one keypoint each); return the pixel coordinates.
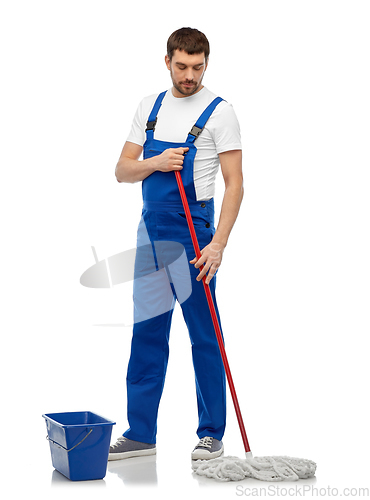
(229, 211)
(212, 254)
(129, 170)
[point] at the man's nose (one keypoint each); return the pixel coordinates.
(189, 74)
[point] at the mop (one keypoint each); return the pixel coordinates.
(275, 468)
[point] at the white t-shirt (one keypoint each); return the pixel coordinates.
(176, 118)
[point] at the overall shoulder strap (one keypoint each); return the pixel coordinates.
(152, 120)
(202, 120)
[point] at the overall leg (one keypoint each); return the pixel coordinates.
(145, 376)
(208, 367)
(153, 308)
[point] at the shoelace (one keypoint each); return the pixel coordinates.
(119, 441)
(206, 442)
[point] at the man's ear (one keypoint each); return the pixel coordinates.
(167, 61)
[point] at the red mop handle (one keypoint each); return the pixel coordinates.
(213, 313)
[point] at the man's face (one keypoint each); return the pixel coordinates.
(187, 72)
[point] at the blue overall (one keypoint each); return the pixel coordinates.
(163, 219)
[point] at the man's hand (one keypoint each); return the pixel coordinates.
(170, 159)
(211, 258)
(130, 169)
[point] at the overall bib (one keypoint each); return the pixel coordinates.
(163, 219)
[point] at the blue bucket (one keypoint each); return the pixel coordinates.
(79, 444)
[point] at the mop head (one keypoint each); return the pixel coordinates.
(263, 468)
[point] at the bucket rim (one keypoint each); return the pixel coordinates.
(49, 416)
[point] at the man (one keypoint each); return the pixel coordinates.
(159, 130)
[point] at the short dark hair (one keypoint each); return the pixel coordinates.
(189, 40)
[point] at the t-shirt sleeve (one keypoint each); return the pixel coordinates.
(137, 132)
(227, 134)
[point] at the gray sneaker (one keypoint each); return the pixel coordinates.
(208, 447)
(126, 448)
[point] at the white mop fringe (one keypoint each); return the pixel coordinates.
(262, 468)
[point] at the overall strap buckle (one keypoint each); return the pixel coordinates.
(152, 120)
(196, 131)
(150, 125)
(202, 120)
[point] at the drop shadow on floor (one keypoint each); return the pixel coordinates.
(57, 479)
(140, 471)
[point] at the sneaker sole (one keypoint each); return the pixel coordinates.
(206, 455)
(131, 454)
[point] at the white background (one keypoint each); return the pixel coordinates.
(293, 288)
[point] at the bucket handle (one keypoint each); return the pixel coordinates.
(75, 446)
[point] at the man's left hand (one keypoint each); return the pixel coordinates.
(211, 258)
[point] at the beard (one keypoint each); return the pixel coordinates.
(186, 91)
